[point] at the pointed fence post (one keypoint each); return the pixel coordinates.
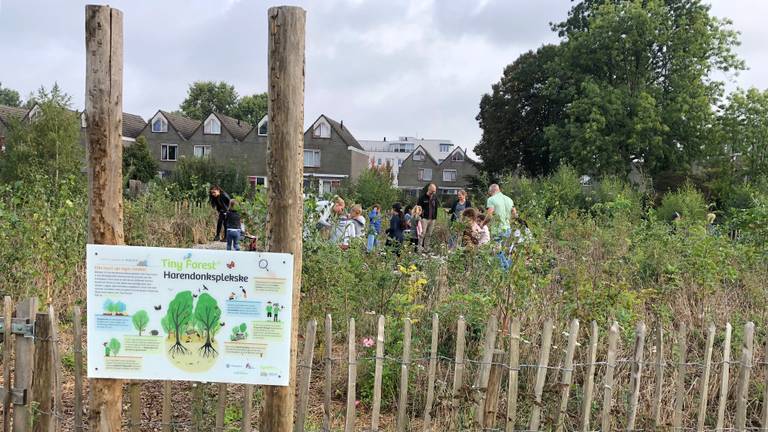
(431, 374)
(328, 373)
(514, 373)
(586, 407)
(77, 349)
(704, 388)
(724, 378)
(484, 375)
(377, 375)
(458, 373)
(637, 374)
(43, 384)
(610, 369)
(567, 375)
(24, 357)
(682, 347)
(7, 350)
(742, 390)
(305, 376)
(349, 421)
(402, 400)
(656, 413)
(541, 375)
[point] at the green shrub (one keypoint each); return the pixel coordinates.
(686, 201)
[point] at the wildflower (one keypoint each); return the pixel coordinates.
(368, 342)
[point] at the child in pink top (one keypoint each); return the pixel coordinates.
(484, 232)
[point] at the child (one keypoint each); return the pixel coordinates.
(234, 227)
(485, 233)
(374, 222)
(471, 235)
(417, 228)
(396, 227)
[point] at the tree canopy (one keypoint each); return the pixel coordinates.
(138, 163)
(251, 108)
(206, 97)
(9, 96)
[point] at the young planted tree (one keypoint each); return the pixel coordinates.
(138, 163)
(178, 316)
(140, 321)
(207, 314)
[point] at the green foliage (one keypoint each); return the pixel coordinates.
(140, 321)
(251, 108)
(743, 127)
(688, 202)
(374, 185)
(207, 312)
(193, 177)
(9, 97)
(138, 163)
(114, 346)
(206, 97)
(179, 312)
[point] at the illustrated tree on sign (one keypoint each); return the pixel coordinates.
(114, 346)
(178, 316)
(109, 305)
(207, 314)
(120, 307)
(140, 321)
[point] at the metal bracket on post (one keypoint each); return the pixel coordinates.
(18, 396)
(19, 326)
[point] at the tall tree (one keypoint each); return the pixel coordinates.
(251, 108)
(743, 128)
(138, 163)
(205, 97)
(9, 97)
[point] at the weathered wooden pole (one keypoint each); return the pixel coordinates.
(285, 167)
(104, 108)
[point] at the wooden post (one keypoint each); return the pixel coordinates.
(25, 353)
(197, 406)
(431, 374)
(58, 406)
(247, 408)
(514, 373)
(656, 413)
(349, 420)
(586, 407)
(43, 382)
(682, 347)
(306, 375)
(167, 416)
(541, 375)
(377, 375)
(458, 373)
(402, 401)
(724, 378)
(484, 374)
(134, 412)
(7, 349)
(285, 168)
(104, 108)
(491, 408)
(328, 373)
(637, 374)
(567, 375)
(610, 368)
(77, 348)
(764, 413)
(744, 371)
(704, 389)
(221, 407)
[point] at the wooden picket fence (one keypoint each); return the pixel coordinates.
(496, 391)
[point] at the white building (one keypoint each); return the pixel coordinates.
(394, 152)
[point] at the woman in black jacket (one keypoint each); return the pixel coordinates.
(219, 201)
(461, 203)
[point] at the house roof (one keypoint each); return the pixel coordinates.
(8, 113)
(132, 125)
(426, 153)
(457, 149)
(238, 128)
(343, 132)
(183, 125)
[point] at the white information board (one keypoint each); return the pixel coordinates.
(189, 314)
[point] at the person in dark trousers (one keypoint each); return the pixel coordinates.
(429, 208)
(396, 228)
(234, 227)
(219, 201)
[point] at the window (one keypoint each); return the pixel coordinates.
(257, 181)
(449, 175)
(418, 156)
(311, 158)
(212, 126)
(401, 147)
(322, 130)
(159, 125)
(425, 174)
(458, 157)
(202, 151)
(445, 148)
(263, 127)
(329, 186)
(449, 191)
(378, 162)
(168, 152)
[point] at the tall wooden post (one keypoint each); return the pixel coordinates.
(104, 110)
(285, 167)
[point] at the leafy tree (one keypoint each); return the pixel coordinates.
(109, 305)
(138, 163)
(140, 321)
(207, 314)
(743, 127)
(9, 97)
(251, 108)
(114, 346)
(374, 185)
(205, 97)
(55, 95)
(165, 323)
(178, 317)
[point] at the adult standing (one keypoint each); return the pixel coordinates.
(219, 201)
(499, 210)
(459, 205)
(429, 206)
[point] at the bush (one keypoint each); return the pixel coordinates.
(194, 176)
(686, 201)
(138, 163)
(372, 186)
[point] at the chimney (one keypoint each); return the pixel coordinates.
(342, 125)
(385, 139)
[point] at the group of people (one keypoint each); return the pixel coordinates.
(229, 226)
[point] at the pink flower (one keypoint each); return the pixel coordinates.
(357, 403)
(368, 342)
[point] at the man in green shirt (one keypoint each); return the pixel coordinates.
(499, 210)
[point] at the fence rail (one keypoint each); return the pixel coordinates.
(511, 385)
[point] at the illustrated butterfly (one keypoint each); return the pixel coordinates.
(231, 265)
(188, 256)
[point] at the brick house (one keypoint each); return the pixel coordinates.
(449, 175)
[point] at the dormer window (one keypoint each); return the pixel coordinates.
(159, 124)
(321, 129)
(212, 126)
(445, 148)
(418, 155)
(263, 127)
(458, 157)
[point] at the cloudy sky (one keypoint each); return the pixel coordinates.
(387, 68)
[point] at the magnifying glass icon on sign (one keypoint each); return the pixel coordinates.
(264, 264)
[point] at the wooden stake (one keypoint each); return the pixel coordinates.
(458, 373)
(306, 375)
(197, 406)
(514, 373)
(25, 354)
(744, 370)
(484, 374)
(431, 374)
(764, 413)
(349, 421)
(704, 388)
(247, 408)
(491, 408)
(610, 368)
(134, 413)
(167, 416)
(104, 108)
(377, 375)
(659, 376)
(328, 373)
(724, 384)
(58, 407)
(586, 407)
(682, 347)
(7, 349)
(221, 407)
(77, 348)
(285, 168)
(43, 376)
(402, 401)
(541, 375)
(637, 373)
(567, 375)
